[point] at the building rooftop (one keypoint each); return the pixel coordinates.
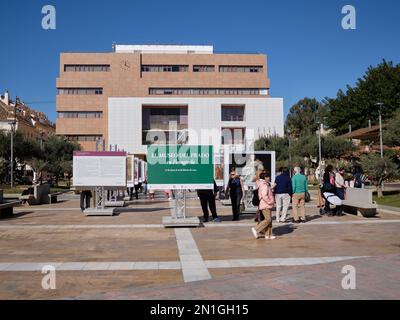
(371, 133)
(172, 49)
(24, 113)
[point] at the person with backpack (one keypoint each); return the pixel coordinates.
(267, 202)
(283, 193)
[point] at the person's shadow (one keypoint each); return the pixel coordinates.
(283, 229)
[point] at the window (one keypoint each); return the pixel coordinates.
(87, 68)
(232, 113)
(240, 69)
(164, 124)
(80, 91)
(233, 136)
(83, 137)
(205, 91)
(201, 68)
(165, 68)
(80, 114)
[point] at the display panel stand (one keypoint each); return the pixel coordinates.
(178, 214)
(100, 209)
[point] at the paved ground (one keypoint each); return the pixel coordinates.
(131, 255)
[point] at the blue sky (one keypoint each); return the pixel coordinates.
(309, 54)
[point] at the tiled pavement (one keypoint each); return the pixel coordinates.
(132, 256)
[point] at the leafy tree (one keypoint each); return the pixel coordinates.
(24, 148)
(391, 132)
(380, 169)
(274, 143)
(38, 166)
(335, 147)
(57, 152)
(306, 146)
(358, 104)
(3, 169)
(303, 117)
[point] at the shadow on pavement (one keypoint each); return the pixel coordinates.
(283, 229)
(127, 210)
(16, 215)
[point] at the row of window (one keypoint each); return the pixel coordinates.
(203, 68)
(163, 68)
(80, 91)
(240, 69)
(204, 91)
(200, 68)
(86, 67)
(228, 136)
(83, 137)
(80, 114)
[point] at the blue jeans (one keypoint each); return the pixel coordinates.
(340, 193)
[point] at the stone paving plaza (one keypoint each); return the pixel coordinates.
(132, 256)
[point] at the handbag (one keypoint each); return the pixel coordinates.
(256, 200)
(307, 197)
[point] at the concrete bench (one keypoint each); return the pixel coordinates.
(53, 197)
(6, 208)
(360, 202)
(40, 195)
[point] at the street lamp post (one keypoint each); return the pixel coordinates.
(13, 125)
(380, 105)
(320, 152)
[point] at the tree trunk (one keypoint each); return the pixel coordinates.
(379, 190)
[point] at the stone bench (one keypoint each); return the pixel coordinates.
(40, 195)
(360, 202)
(6, 208)
(53, 197)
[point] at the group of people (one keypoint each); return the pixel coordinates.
(333, 185)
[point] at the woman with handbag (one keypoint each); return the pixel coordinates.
(267, 202)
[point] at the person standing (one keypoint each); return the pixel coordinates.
(236, 192)
(256, 199)
(299, 188)
(267, 201)
(85, 199)
(283, 193)
(207, 199)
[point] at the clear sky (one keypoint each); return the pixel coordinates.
(309, 54)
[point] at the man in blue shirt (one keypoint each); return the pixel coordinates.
(283, 193)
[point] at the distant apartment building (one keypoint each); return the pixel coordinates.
(130, 97)
(32, 124)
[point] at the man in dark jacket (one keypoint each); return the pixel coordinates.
(207, 199)
(283, 192)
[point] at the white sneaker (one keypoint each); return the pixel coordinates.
(255, 234)
(270, 238)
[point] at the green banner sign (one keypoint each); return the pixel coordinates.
(180, 167)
